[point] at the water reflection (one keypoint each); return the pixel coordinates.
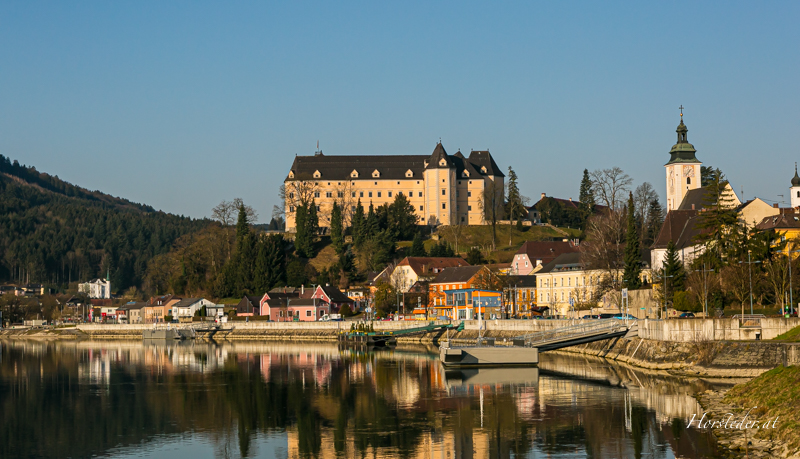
(316, 400)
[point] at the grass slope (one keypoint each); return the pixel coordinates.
(792, 335)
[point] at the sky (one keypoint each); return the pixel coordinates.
(181, 105)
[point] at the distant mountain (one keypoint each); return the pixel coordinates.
(52, 231)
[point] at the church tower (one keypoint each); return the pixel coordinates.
(795, 193)
(683, 168)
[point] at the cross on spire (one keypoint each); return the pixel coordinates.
(681, 107)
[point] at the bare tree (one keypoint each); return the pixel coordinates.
(454, 232)
(777, 278)
(734, 279)
(492, 205)
(604, 250)
(610, 186)
(226, 212)
(296, 192)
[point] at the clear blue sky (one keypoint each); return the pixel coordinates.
(183, 104)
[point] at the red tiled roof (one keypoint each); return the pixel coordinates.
(546, 251)
(426, 266)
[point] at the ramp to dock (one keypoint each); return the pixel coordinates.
(586, 332)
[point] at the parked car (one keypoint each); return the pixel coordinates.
(687, 315)
(624, 316)
(331, 318)
(591, 316)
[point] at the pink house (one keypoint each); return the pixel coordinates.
(295, 309)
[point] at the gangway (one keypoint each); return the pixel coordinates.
(595, 330)
(382, 338)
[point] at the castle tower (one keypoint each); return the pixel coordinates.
(795, 193)
(683, 168)
(440, 195)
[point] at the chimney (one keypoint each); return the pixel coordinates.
(543, 195)
(775, 205)
(570, 199)
(692, 206)
(302, 289)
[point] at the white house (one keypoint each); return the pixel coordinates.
(186, 308)
(96, 288)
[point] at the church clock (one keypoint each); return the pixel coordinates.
(688, 171)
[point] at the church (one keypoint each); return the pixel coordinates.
(444, 189)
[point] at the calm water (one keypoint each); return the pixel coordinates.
(198, 400)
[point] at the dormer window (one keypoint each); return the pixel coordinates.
(465, 174)
(483, 169)
(409, 173)
(317, 174)
(291, 174)
(425, 163)
(376, 174)
(442, 162)
(354, 174)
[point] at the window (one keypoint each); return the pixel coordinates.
(352, 208)
(457, 206)
(469, 194)
(328, 194)
(308, 313)
(379, 194)
(370, 194)
(316, 194)
(469, 208)
(688, 180)
(291, 208)
(291, 195)
(410, 194)
(444, 205)
(420, 208)
(340, 194)
(420, 194)
(569, 281)
(456, 193)
(526, 263)
(360, 194)
(317, 208)
(353, 194)
(390, 194)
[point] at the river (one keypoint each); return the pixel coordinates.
(196, 400)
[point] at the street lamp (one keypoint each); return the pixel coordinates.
(705, 287)
(750, 271)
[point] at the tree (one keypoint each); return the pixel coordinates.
(417, 247)
(402, 217)
(604, 250)
(357, 228)
(225, 210)
(296, 273)
(707, 175)
(385, 299)
(475, 257)
(674, 273)
(777, 270)
(515, 206)
(718, 222)
(337, 229)
(609, 185)
(491, 204)
(633, 267)
(442, 249)
(643, 196)
(655, 219)
(586, 198)
(302, 238)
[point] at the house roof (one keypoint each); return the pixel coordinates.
(564, 262)
(130, 306)
(335, 294)
(306, 302)
(391, 167)
(781, 221)
(568, 203)
(522, 281)
(680, 227)
(459, 274)
(186, 302)
(425, 266)
(694, 199)
(546, 251)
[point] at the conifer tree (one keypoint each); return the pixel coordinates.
(655, 219)
(718, 221)
(673, 272)
(417, 246)
(633, 267)
(302, 239)
(586, 197)
(337, 228)
(371, 225)
(357, 225)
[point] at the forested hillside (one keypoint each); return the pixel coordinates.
(52, 232)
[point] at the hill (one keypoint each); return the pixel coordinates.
(53, 232)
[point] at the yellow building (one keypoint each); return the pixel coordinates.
(444, 189)
(786, 226)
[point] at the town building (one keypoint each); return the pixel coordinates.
(466, 304)
(158, 309)
(442, 188)
(295, 309)
(535, 254)
(186, 308)
(333, 296)
(410, 270)
(459, 278)
(521, 296)
(96, 288)
(251, 305)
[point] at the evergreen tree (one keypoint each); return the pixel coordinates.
(402, 218)
(586, 197)
(718, 221)
(371, 225)
(475, 257)
(655, 219)
(514, 201)
(633, 267)
(337, 228)
(296, 273)
(673, 272)
(417, 246)
(357, 225)
(442, 249)
(312, 225)
(302, 240)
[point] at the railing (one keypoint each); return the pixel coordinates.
(596, 327)
(749, 320)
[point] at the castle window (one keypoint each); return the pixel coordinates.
(420, 194)
(469, 208)
(291, 174)
(469, 194)
(442, 162)
(420, 209)
(375, 173)
(483, 169)
(291, 195)
(409, 173)
(317, 174)
(798, 194)
(291, 208)
(352, 208)
(340, 194)
(353, 194)
(354, 174)
(328, 194)
(443, 191)
(688, 180)
(456, 193)
(316, 194)
(317, 208)
(390, 194)
(329, 183)
(444, 205)
(360, 194)
(379, 194)
(370, 194)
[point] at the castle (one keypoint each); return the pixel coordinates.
(444, 189)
